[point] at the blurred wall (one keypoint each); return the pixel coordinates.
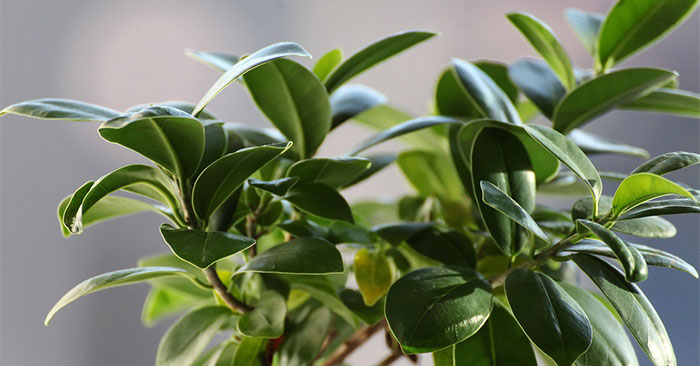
(127, 52)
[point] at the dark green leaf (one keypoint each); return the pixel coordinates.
(484, 96)
(603, 93)
(220, 179)
(668, 101)
(215, 145)
(547, 45)
(593, 144)
(249, 352)
(333, 172)
(298, 256)
(499, 200)
(60, 109)
(373, 274)
(168, 136)
(354, 301)
(305, 339)
(586, 25)
(548, 315)
(203, 248)
(374, 54)
(662, 207)
(630, 258)
(252, 61)
(278, 187)
(632, 25)
(538, 83)
(397, 233)
(351, 100)
(377, 163)
(498, 72)
(641, 187)
(451, 98)
(436, 307)
(668, 162)
(294, 100)
(113, 279)
(320, 200)
(448, 247)
(189, 336)
(632, 306)
(216, 60)
(266, 320)
(251, 136)
(327, 63)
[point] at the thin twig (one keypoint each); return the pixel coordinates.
(221, 289)
(352, 344)
(388, 360)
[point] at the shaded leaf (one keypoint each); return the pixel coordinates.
(278, 187)
(630, 258)
(593, 144)
(305, 339)
(485, 97)
(203, 248)
(333, 172)
(397, 233)
(350, 100)
(538, 83)
(586, 26)
(266, 320)
(662, 207)
(320, 200)
(449, 247)
(298, 256)
(377, 163)
(354, 301)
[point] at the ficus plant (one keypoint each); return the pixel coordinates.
(470, 267)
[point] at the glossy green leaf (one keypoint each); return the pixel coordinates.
(646, 227)
(168, 136)
(195, 286)
(350, 100)
(430, 173)
(249, 352)
(215, 145)
(186, 107)
(662, 207)
(278, 187)
(500, 342)
(668, 162)
(373, 273)
(436, 307)
(586, 26)
(632, 25)
(294, 100)
(449, 247)
(298, 256)
(266, 320)
(537, 81)
(203, 248)
(327, 63)
(630, 258)
(374, 54)
(499, 200)
(641, 187)
(451, 98)
(610, 345)
(397, 233)
(593, 144)
(251, 136)
(498, 72)
(568, 153)
(189, 336)
(354, 301)
(60, 109)
(161, 303)
(548, 315)
(255, 59)
(547, 45)
(377, 163)
(305, 339)
(220, 179)
(499, 157)
(320, 200)
(668, 101)
(603, 93)
(218, 61)
(484, 96)
(112, 279)
(333, 172)
(632, 306)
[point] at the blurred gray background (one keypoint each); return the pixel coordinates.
(127, 52)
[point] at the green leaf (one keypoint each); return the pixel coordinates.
(451, 98)
(320, 200)
(402, 129)
(397, 233)
(499, 200)
(113, 279)
(498, 72)
(499, 342)
(60, 109)
(668, 101)
(168, 136)
(603, 93)
(203, 248)
(216, 60)
(568, 153)
(189, 336)
(356, 303)
(430, 173)
(662, 207)
(593, 144)
(641, 187)
(632, 306)
(547, 45)
(298, 256)
(374, 54)
(484, 95)
(646, 227)
(327, 63)
(219, 355)
(668, 162)
(537, 81)
(632, 25)
(304, 340)
(586, 26)
(444, 357)
(220, 179)
(162, 302)
(278, 187)
(294, 100)
(350, 100)
(249, 352)
(266, 320)
(499, 157)
(610, 345)
(373, 274)
(322, 289)
(548, 315)
(333, 172)
(436, 307)
(377, 163)
(186, 107)
(257, 58)
(449, 247)
(630, 258)
(652, 256)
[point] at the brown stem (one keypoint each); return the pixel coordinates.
(388, 360)
(221, 289)
(352, 344)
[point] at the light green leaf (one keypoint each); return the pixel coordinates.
(161, 303)
(218, 61)
(373, 273)
(266, 320)
(646, 227)
(668, 101)
(668, 162)
(630, 258)
(593, 144)
(333, 172)
(320, 200)
(430, 173)
(436, 307)
(484, 95)
(374, 54)
(548, 315)
(327, 63)
(350, 100)
(294, 100)
(641, 187)
(547, 45)
(586, 26)
(203, 248)
(249, 352)
(113, 279)
(537, 81)
(323, 289)
(298, 256)
(603, 93)
(60, 109)
(499, 200)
